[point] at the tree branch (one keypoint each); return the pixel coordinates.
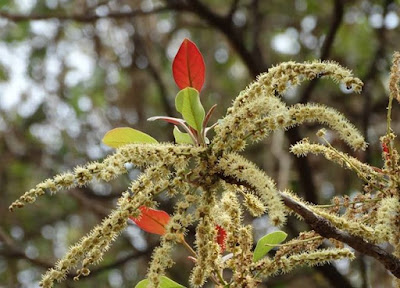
(336, 279)
(326, 229)
(116, 263)
(89, 203)
(232, 9)
(337, 18)
(87, 18)
(226, 27)
(152, 69)
(11, 251)
(304, 169)
(370, 77)
(256, 29)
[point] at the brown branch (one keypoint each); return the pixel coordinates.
(162, 90)
(304, 169)
(232, 9)
(326, 229)
(337, 18)
(364, 272)
(152, 69)
(330, 272)
(87, 18)
(256, 29)
(11, 251)
(370, 77)
(116, 263)
(335, 278)
(224, 24)
(89, 203)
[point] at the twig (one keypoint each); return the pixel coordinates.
(116, 263)
(326, 229)
(225, 26)
(98, 209)
(256, 28)
(232, 9)
(337, 18)
(151, 67)
(336, 279)
(87, 18)
(304, 169)
(364, 272)
(12, 251)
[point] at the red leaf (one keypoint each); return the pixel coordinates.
(152, 220)
(188, 67)
(385, 148)
(221, 236)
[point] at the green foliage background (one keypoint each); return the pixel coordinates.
(66, 80)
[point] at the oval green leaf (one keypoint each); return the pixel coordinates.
(164, 283)
(124, 135)
(187, 102)
(181, 137)
(266, 243)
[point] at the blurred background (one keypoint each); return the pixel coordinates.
(70, 70)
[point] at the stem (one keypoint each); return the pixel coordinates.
(350, 164)
(389, 115)
(200, 138)
(187, 246)
(295, 242)
(190, 249)
(350, 203)
(220, 277)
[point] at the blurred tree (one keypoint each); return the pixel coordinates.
(72, 70)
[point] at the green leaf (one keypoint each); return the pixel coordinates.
(121, 136)
(181, 137)
(266, 243)
(164, 283)
(179, 99)
(187, 102)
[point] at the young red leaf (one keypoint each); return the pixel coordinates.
(221, 236)
(188, 67)
(152, 220)
(385, 148)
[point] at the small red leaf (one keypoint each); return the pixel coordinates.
(385, 148)
(152, 220)
(188, 67)
(221, 236)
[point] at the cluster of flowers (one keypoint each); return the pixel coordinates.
(213, 183)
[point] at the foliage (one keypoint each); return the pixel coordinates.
(208, 178)
(76, 69)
